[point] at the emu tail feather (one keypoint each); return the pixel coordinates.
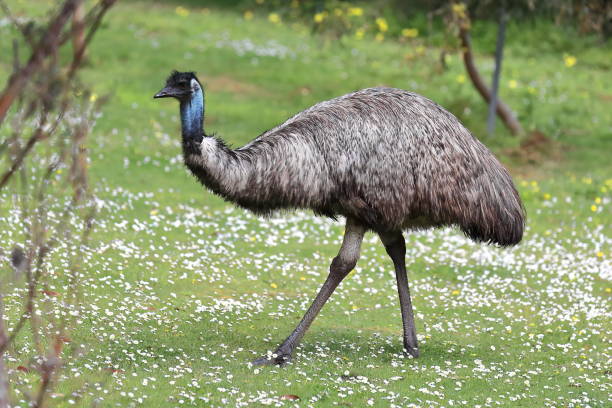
(499, 216)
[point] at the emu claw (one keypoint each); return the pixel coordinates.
(276, 359)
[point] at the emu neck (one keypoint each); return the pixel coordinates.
(192, 117)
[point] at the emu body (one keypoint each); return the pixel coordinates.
(386, 159)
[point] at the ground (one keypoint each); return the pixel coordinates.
(182, 290)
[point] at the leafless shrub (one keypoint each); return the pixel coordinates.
(46, 115)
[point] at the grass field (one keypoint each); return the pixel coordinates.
(182, 290)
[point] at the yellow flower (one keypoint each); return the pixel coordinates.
(182, 11)
(274, 285)
(382, 24)
(93, 97)
(274, 18)
(600, 254)
(594, 208)
(410, 32)
(355, 11)
(379, 37)
(608, 290)
(569, 60)
(547, 196)
(460, 78)
(459, 9)
(319, 17)
(248, 15)
(354, 307)
(302, 278)
(597, 200)
(154, 212)
(531, 90)
(359, 33)
(513, 83)
(455, 292)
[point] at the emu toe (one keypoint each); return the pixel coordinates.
(276, 359)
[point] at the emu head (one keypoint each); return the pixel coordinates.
(180, 85)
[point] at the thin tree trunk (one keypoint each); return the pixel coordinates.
(503, 111)
(499, 54)
(78, 30)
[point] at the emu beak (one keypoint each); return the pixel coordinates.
(164, 93)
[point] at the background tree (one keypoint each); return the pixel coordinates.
(45, 117)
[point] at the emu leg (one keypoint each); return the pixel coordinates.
(341, 265)
(396, 248)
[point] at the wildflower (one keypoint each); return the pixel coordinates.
(382, 24)
(359, 33)
(513, 83)
(319, 17)
(93, 97)
(600, 255)
(569, 60)
(459, 9)
(410, 32)
(531, 90)
(455, 292)
(182, 11)
(597, 200)
(248, 15)
(547, 196)
(608, 290)
(273, 285)
(274, 18)
(355, 11)
(594, 208)
(461, 78)
(302, 278)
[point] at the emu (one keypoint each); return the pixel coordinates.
(385, 159)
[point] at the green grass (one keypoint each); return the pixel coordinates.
(182, 290)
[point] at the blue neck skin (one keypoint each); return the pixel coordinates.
(192, 116)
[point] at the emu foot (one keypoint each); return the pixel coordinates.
(411, 350)
(414, 352)
(278, 358)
